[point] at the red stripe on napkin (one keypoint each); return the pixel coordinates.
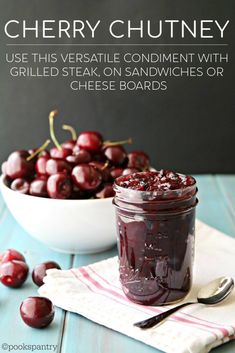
(97, 287)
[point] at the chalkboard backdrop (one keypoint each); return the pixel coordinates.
(189, 128)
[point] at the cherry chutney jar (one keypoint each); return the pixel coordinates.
(155, 214)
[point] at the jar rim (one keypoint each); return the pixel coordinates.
(156, 195)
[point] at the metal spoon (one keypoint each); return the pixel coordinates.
(212, 293)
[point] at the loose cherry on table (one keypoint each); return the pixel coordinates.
(13, 273)
(90, 140)
(11, 254)
(37, 312)
(21, 185)
(39, 271)
(38, 187)
(86, 177)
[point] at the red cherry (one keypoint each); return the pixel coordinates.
(115, 154)
(32, 150)
(103, 168)
(21, 185)
(69, 144)
(77, 193)
(18, 166)
(61, 153)
(11, 254)
(99, 157)
(138, 160)
(86, 177)
(40, 165)
(54, 166)
(44, 153)
(106, 191)
(82, 156)
(128, 171)
(37, 312)
(13, 273)
(116, 172)
(76, 149)
(59, 186)
(90, 140)
(72, 142)
(39, 271)
(41, 152)
(38, 187)
(4, 168)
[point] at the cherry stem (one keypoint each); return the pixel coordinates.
(72, 130)
(116, 143)
(105, 165)
(52, 115)
(39, 150)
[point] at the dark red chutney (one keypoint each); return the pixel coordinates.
(156, 225)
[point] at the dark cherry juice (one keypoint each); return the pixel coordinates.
(156, 225)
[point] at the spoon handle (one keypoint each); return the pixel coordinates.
(154, 320)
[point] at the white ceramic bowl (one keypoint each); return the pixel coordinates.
(69, 226)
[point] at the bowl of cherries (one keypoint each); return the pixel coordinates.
(62, 194)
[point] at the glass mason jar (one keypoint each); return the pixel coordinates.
(155, 242)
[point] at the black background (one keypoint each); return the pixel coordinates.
(189, 128)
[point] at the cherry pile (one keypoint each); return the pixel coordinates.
(37, 312)
(80, 168)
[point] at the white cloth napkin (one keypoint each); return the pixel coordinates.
(94, 291)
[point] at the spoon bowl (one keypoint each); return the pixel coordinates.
(215, 291)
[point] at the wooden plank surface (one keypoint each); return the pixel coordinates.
(12, 329)
(215, 209)
(72, 333)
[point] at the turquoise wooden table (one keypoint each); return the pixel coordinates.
(72, 333)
